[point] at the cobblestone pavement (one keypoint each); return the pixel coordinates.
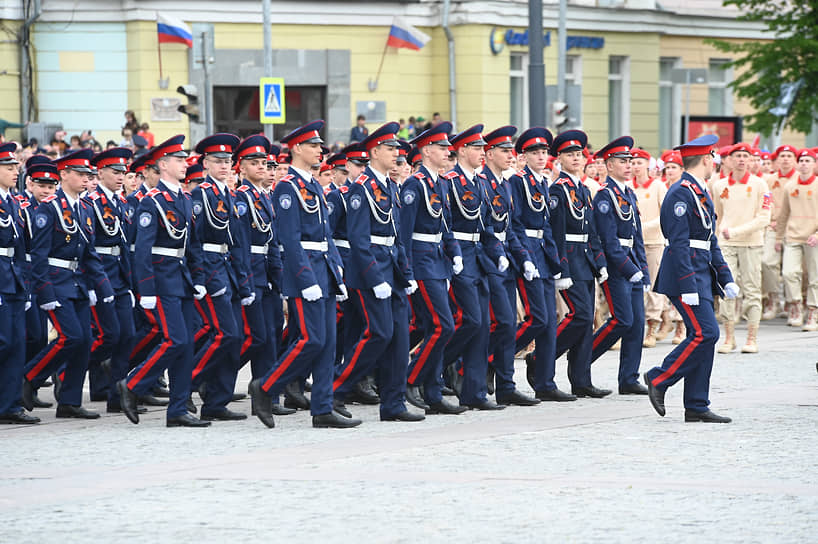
(595, 469)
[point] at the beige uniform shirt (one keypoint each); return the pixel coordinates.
(743, 206)
(777, 182)
(649, 197)
(798, 215)
(592, 185)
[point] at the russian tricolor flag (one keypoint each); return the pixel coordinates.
(173, 30)
(402, 34)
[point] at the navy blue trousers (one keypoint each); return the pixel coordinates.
(12, 351)
(114, 325)
(259, 345)
(469, 301)
(540, 325)
(503, 313)
(627, 321)
(216, 363)
(434, 317)
(575, 332)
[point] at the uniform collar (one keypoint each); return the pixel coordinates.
(174, 187)
(303, 173)
(431, 174)
(110, 195)
(4, 194)
(379, 176)
(619, 184)
(466, 172)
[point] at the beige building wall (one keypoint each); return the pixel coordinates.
(10, 77)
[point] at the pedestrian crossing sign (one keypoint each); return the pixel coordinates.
(272, 109)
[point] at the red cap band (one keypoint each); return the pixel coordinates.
(254, 150)
(62, 165)
(468, 139)
(304, 137)
(221, 148)
(111, 160)
(615, 150)
(497, 141)
(534, 141)
(432, 138)
(378, 141)
(570, 143)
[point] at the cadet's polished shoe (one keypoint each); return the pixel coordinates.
(238, 396)
(633, 389)
(117, 409)
(414, 398)
(453, 379)
(27, 395)
(77, 412)
(18, 418)
(39, 403)
(485, 405)
(590, 391)
(223, 415)
(403, 416)
(57, 385)
(190, 406)
(150, 400)
(186, 420)
(279, 410)
(490, 380)
(362, 393)
(444, 407)
(447, 391)
(529, 369)
(333, 421)
(294, 398)
(656, 396)
(99, 397)
(339, 406)
(127, 401)
(706, 417)
(262, 404)
(555, 395)
(160, 392)
(517, 398)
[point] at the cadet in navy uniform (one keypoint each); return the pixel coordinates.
(530, 221)
(502, 280)
(13, 293)
(379, 278)
(336, 204)
(114, 322)
(162, 265)
(311, 280)
(228, 280)
(620, 231)
(482, 254)
(64, 265)
(581, 256)
(423, 228)
(692, 272)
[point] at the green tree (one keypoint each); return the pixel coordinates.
(790, 56)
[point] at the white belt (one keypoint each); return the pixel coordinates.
(423, 237)
(382, 240)
(169, 251)
(215, 248)
(6, 252)
(467, 236)
(534, 233)
(133, 248)
(315, 246)
(62, 263)
(626, 242)
(259, 250)
(109, 250)
(341, 243)
(576, 237)
(501, 236)
(700, 244)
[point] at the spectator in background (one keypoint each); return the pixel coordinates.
(74, 143)
(145, 132)
(436, 119)
(140, 145)
(359, 132)
(403, 131)
(127, 138)
(131, 122)
(411, 128)
(6, 125)
(110, 144)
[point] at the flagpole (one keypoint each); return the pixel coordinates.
(159, 51)
(373, 85)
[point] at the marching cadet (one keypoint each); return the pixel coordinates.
(581, 257)
(311, 280)
(742, 203)
(535, 282)
(227, 278)
(113, 322)
(620, 231)
(162, 276)
(64, 265)
(691, 274)
(380, 280)
(13, 293)
(649, 196)
(402, 169)
(797, 228)
(194, 175)
(673, 172)
(414, 158)
(502, 289)
(785, 158)
(423, 228)
(482, 254)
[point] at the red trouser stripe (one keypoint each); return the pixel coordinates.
(430, 344)
(217, 339)
(458, 314)
(163, 347)
(58, 345)
(148, 337)
(294, 350)
(612, 322)
(698, 337)
(571, 313)
(248, 335)
(205, 328)
(526, 308)
(366, 337)
(99, 340)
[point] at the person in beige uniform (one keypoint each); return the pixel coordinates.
(784, 156)
(671, 319)
(797, 228)
(743, 207)
(649, 196)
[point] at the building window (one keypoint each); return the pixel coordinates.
(669, 125)
(618, 96)
(719, 96)
(518, 92)
(573, 69)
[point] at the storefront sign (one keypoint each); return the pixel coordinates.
(500, 38)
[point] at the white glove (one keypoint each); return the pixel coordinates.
(382, 290)
(691, 299)
(731, 290)
(199, 292)
(529, 271)
(603, 275)
(646, 288)
(502, 263)
(48, 306)
(558, 275)
(312, 293)
(133, 299)
(340, 271)
(457, 265)
(344, 294)
(413, 286)
(448, 285)
(537, 273)
(148, 303)
(1, 301)
(563, 283)
(220, 292)
(28, 305)
(247, 301)
(108, 300)
(636, 278)
(92, 297)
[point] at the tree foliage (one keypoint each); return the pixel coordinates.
(791, 55)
